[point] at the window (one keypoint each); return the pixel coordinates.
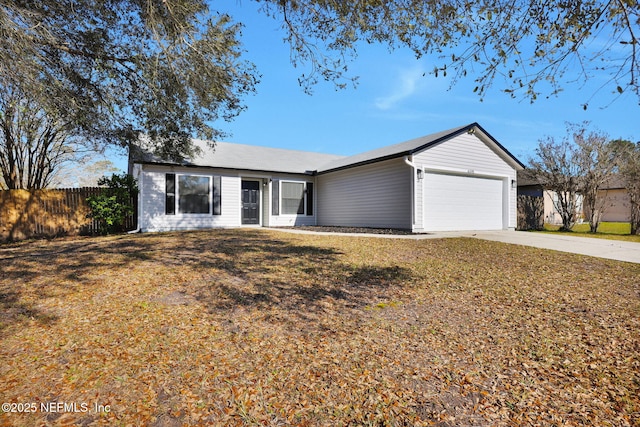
(292, 198)
(192, 194)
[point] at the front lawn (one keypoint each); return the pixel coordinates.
(606, 230)
(258, 327)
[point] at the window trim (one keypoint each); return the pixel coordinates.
(305, 203)
(176, 195)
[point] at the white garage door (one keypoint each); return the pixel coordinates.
(454, 202)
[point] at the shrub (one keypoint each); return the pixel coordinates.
(112, 206)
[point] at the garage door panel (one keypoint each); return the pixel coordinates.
(456, 202)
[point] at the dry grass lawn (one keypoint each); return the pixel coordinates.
(258, 327)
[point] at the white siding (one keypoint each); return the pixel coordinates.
(152, 216)
(468, 154)
(152, 200)
(375, 195)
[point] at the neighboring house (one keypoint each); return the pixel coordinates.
(616, 206)
(528, 185)
(459, 179)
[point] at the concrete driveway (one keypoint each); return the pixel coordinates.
(602, 248)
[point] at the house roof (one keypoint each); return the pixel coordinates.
(250, 157)
(413, 146)
(228, 155)
(527, 178)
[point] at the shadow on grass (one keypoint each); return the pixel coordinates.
(14, 311)
(222, 269)
(281, 278)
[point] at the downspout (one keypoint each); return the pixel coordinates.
(139, 201)
(413, 189)
(409, 162)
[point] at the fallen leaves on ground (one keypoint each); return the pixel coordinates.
(254, 327)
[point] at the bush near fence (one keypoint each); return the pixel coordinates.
(28, 214)
(530, 212)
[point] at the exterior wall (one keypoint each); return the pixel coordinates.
(617, 206)
(531, 190)
(376, 195)
(468, 155)
(265, 208)
(152, 198)
(551, 215)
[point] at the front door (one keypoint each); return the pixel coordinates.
(250, 202)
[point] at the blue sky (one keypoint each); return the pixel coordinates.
(395, 102)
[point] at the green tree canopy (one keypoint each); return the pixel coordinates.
(113, 68)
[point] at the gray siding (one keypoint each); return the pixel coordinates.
(376, 195)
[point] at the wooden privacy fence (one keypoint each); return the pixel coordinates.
(49, 213)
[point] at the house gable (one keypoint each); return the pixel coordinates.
(411, 147)
(468, 179)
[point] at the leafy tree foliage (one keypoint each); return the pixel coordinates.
(115, 203)
(109, 69)
(528, 44)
